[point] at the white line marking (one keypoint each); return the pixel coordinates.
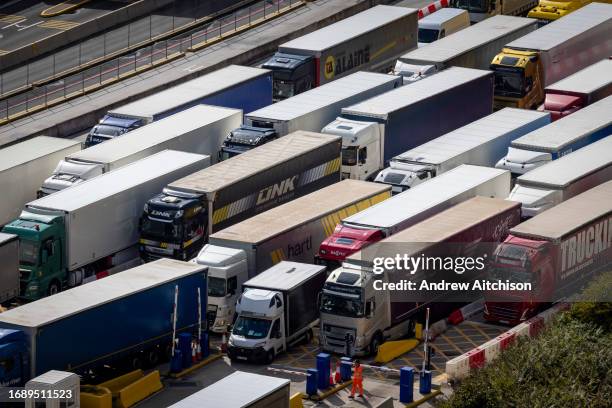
(15, 23)
(31, 25)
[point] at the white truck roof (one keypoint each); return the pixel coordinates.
(208, 84)
(347, 29)
(109, 184)
(586, 81)
(284, 276)
(568, 129)
(322, 96)
(382, 105)
(565, 29)
(7, 237)
(237, 390)
(394, 210)
(85, 297)
(153, 134)
(471, 136)
(263, 157)
(571, 167)
(447, 48)
(440, 16)
(32, 149)
(263, 226)
(568, 216)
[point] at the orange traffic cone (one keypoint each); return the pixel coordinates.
(194, 358)
(337, 376)
(198, 351)
(331, 374)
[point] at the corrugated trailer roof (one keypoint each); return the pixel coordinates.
(473, 135)
(382, 105)
(586, 81)
(411, 202)
(562, 219)
(463, 41)
(564, 29)
(322, 96)
(441, 226)
(93, 294)
(571, 167)
(109, 184)
(271, 223)
(285, 275)
(566, 130)
(347, 29)
(239, 167)
(153, 134)
(236, 390)
(32, 149)
(208, 84)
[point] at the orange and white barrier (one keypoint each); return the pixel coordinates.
(432, 8)
(460, 367)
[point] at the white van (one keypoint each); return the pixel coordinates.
(442, 23)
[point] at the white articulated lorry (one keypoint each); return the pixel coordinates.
(472, 47)
(200, 130)
(564, 178)
(355, 304)
(559, 138)
(309, 111)
(24, 166)
(277, 309)
(377, 129)
(290, 232)
(481, 143)
(89, 231)
(412, 206)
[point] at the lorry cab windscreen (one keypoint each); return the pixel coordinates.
(216, 286)
(477, 6)
(251, 327)
(349, 156)
(28, 252)
(162, 230)
(282, 89)
(428, 35)
(509, 81)
(341, 306)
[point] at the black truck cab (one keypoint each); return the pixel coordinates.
(245, 138)
(292, 74)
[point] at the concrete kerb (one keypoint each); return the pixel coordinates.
(130, 11)
(196, 366)
(435, 391)
(322, 395)
(83, 121)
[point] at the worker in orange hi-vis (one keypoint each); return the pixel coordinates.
(357, 379)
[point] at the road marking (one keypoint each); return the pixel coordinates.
(31, 25)
(2, 52)
(14, 24)
(59, 24)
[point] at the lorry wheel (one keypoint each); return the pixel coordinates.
(152, 358)
(54, 287)
(135, 362)
(375, 344)
(270, 357)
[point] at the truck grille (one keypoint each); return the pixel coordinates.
(211, 315)
(504, 313)
(336, 335)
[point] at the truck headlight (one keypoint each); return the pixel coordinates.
(32, 287)
(230, 342)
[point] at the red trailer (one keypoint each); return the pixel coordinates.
(553, 251)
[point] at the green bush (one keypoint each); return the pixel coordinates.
(568, 365)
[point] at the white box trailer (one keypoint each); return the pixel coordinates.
(559, 138)
(200, 130)
(91, 230)
(9, 267)
(472, 47)
(241, 390)
(24, 166)
(527, 65)
(564, 178)
(309, 111)
(480, 143)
